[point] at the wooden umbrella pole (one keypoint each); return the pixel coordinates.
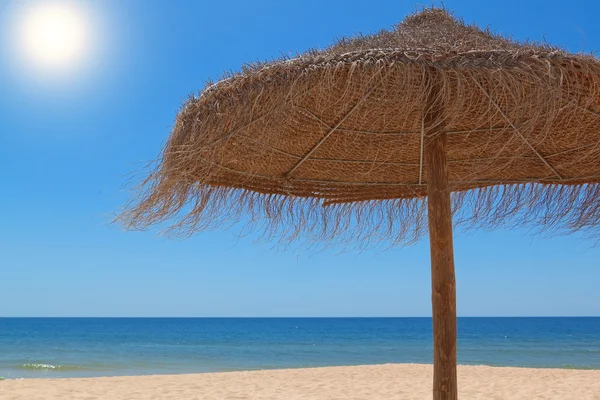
(443, 285)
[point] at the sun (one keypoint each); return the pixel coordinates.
(53, 35)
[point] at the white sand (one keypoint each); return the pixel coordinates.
(392, 381)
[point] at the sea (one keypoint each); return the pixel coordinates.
(86, 347)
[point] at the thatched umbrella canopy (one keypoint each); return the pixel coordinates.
(367, 138)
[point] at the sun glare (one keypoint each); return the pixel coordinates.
(53, 35)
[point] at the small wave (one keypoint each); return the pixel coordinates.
(48, 367)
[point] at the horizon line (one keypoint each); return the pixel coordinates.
(292, 317)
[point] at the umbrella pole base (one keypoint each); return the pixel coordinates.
(443, 285)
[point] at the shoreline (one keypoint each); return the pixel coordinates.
(152, 374)
(383, 381)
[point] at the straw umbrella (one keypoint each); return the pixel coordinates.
(389, 136)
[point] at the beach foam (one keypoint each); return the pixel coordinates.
(47, 366)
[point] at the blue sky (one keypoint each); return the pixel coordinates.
(68, 143)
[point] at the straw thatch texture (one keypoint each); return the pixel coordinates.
(331, 143)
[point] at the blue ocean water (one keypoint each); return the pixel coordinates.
(77, 347)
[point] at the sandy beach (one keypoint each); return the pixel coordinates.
(391, 381)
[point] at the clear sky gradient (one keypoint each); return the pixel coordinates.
(68, 143)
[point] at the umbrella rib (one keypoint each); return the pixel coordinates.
(405, 164)
(418, 132)
(340, 122)
(585, 109)
(414, 164)
(393, 133)
(313, 115)
(349, 183)
(512, 125)
(573, 149)
(324, 138)
(481, 181)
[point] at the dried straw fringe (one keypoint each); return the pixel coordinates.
(554, 208)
